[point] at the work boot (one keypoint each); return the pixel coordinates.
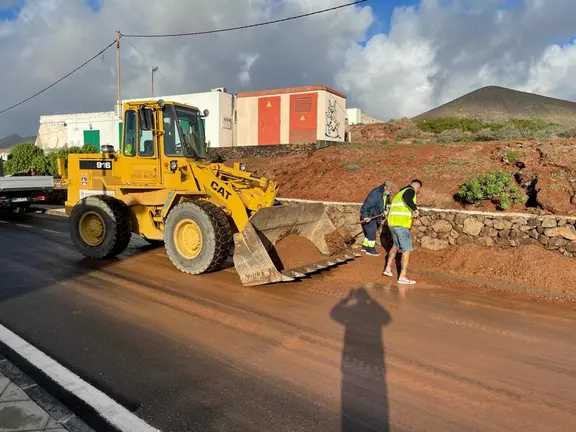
(372, 251)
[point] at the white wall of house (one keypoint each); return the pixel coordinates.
(356, 116)
(61, 130)
(353, 116)
(57, 131)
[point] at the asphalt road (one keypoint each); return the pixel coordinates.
(203, 353)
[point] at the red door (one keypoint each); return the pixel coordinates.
(303, 118)
(269, 120)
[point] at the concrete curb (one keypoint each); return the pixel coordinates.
(56, 212)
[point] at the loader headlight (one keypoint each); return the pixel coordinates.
(173, 165)
(242, 166)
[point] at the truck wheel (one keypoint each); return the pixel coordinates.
(100, 226)
(198, 237)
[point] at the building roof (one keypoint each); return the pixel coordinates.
(287, 90)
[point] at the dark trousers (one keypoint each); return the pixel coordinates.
(370, 229)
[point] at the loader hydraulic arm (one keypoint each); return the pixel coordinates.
(255, 192)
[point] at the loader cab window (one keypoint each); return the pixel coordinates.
(191, 129)
(172, 142)
(129, 133)
(146, 147)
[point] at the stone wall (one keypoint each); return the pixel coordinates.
(440, 229)
(265, 151)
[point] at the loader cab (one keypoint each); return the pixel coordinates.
(158, 137)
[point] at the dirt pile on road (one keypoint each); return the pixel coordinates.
(295, 251)
(526, 265)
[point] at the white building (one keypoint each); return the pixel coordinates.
(105, 128)
(71, 130)
(356, 116)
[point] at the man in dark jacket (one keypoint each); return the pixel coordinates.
(371, 215)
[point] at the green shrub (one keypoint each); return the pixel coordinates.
(498, 187)
(452, 135)
(485, 134)
(63, 153)
(508, 132)
(530, 125)
(490, 131)
(408, 132)
(438, 126)
(21, 157)
(349, 167)
(567, 133)
(25, 156)
(512, 155)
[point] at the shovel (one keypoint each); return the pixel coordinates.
(349, 237)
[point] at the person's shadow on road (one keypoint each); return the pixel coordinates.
(364, 396)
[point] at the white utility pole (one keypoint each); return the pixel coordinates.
(118, 36)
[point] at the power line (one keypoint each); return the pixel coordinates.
(245, 26)
(181, 34)
(60, 80)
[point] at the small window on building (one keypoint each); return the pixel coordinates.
(129, 133)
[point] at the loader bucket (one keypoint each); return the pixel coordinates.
(254, 246)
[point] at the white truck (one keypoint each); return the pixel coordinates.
(19, 191)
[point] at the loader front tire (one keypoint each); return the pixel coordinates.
(100, 226)
(198, 237)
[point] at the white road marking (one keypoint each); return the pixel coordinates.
(4, 222)
(24, 226)
(112, 412)
(52, 231)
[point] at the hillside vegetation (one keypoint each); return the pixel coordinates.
(518, 165)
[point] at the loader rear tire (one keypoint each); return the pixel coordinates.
(100, 226)
(198, 237)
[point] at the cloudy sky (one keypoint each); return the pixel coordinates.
(391, 58)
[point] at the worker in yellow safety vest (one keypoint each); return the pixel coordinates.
(403, 210)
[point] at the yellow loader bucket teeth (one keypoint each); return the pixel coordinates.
(254, 256)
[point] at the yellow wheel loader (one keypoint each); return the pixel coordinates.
(160, 186)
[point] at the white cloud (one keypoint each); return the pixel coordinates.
(52, 37)
(432, 53)
(441, 50)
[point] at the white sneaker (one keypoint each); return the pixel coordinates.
(406, 281)
(387, 273)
